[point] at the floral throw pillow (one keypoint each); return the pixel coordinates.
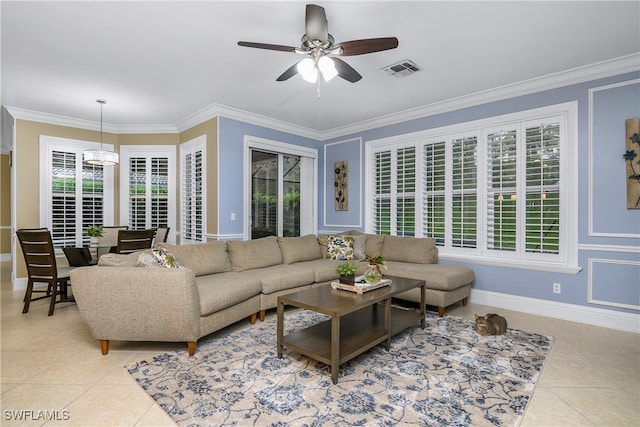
(166, 258)
(340, 247)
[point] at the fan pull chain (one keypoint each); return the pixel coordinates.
(318, 88)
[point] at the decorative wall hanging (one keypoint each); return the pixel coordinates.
(341, 185)
(632, 127)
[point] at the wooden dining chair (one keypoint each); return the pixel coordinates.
(161, 235)
(40, 257)
(134, 240)
(109, 239)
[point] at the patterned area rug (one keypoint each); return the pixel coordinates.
(444, 375)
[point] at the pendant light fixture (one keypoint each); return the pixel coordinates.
(101, 157)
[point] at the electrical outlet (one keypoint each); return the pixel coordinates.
(233, 216)
(556, 288)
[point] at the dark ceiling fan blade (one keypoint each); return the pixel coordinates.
(291, 71)
(316, 23)
(346, 71)
(360, 47)
(268, 46)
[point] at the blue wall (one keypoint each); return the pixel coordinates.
(610, 259)
(609, 250)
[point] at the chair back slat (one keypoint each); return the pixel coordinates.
(134, 240)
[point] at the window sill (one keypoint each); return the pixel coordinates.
(512, 263)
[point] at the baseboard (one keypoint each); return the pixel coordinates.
(575, 313)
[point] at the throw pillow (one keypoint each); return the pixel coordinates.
(148, 261)
(166, 258)
(340, 247)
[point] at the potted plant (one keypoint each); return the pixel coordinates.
(373, 273)
(94, 231)
(347, 272)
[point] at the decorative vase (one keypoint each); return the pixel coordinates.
(348, 279)
(93, 241)
(372, 274)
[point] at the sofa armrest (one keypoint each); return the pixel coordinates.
(138, 304)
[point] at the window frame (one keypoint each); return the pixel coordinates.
(49, 144)
(192, 147)
(567, 259)
(148, 151)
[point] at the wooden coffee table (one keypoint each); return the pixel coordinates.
(357, 322)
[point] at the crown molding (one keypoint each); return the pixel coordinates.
(219, 110)
(53, 119)
(621, 65)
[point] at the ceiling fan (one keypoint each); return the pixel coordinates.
(318, 44)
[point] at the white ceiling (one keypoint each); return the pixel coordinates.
(159, 63)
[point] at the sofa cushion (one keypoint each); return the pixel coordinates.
(373, 242)
(359, 246)
(203, 258)
(436, 276)
(250, 254)
(281, 277)
(409, 249)
(296, 249)
(219, 291)
(339, 247)
(121, 260)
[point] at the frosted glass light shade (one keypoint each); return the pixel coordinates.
(308, 70)
(327, 68)
(101, 157)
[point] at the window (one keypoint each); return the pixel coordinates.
(75, 194)
(495, 191)
(147, 180)
(193, 191)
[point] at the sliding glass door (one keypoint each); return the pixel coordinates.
(275, 194)
(280, 189)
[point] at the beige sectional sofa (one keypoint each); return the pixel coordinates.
(223, 282)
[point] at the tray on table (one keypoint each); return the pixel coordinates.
(361, 288)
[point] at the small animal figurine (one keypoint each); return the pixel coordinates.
(491, 324)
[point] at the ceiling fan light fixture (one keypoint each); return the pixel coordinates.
(308, 70)
(327, 68)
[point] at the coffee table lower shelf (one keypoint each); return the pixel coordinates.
(359, 331)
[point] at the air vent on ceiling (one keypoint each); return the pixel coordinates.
(402, 68)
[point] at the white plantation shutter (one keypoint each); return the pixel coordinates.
(406, 192)
(193, 203)
(501, 190)
(542, 219)
(433, 201)
(464, 207)
(159, 192)
(382, 193)
(75, 194)
(147, 176)
(137, 193)
(63, 199)
(148, 192)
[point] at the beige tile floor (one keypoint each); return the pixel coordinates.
(592, 376)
